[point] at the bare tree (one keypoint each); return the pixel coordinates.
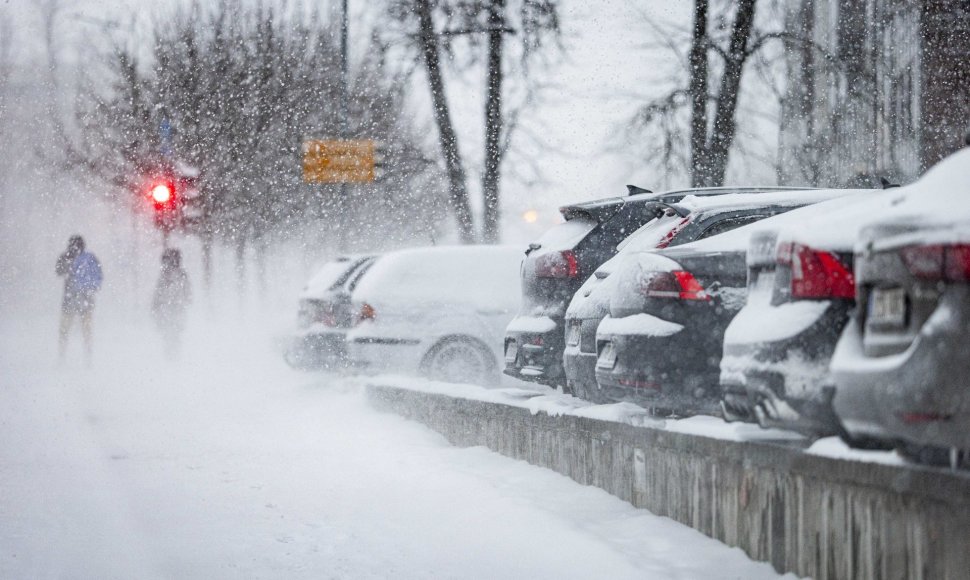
(482, 26)
(717, 56)
(447, 138)
(241, 87)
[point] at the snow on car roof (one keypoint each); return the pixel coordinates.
(649, 235)
(831, 202)
(941, 195)
(486, 276)
(768, 198)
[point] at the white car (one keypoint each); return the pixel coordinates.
(437, 311)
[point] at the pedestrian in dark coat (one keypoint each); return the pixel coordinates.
(171, 300)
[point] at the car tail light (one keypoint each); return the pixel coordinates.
(669, 236)
(949, 263)
(366, 312)
(557, 265)
(917, 417)
(816, 273)
(639, 384)
(678, 284)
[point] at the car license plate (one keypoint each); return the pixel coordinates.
(887, 307)
(511, 351)
(572, 336)
(607, 358)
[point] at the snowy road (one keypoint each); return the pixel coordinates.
(231, 465)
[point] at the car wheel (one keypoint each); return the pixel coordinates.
(460, 360)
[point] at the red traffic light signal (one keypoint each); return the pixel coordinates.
(166, 203)
(162, 193)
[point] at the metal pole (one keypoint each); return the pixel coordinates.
(344, 206)
(343, 69)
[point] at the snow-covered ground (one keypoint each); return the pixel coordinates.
(228, 464)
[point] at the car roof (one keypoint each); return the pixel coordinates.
(738, 239)
(942, 193)
(603, 209)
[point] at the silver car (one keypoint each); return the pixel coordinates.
(902, 366)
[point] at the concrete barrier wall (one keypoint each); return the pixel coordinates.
(811, 515)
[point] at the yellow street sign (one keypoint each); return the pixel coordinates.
(338, 161)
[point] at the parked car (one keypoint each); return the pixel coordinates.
(325, 313)
(901, 367)
(438, 311)
(801, 290)
(705, 217)
(563, 258)
(660, 345)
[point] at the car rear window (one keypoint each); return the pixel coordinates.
(567, 235)
(650, 234)
(327, 277)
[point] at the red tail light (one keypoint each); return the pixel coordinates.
(944, 263)
(557, 265)
(816, 274)
(669, 236)
(677, 284)
(367, 312)
(917, 417)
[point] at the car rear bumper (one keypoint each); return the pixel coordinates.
(322, 349)
(919, 396)
(668, 374)
(580, 370)
(535, 355)
(777, 386)
(784, 383)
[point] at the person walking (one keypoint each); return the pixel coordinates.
(170, 302)
(82, 280)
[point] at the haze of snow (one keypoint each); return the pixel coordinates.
(228, 464)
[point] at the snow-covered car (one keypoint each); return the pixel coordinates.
(660, 345)
(901, 367)
(802, 290)
(437, 311)
(562, 259)
(325, 313)
(692, 218)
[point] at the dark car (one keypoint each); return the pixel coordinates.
(660, 346)
(557, 264)
(326, 313)
(705, 217)
(801, 290)
(901, 367)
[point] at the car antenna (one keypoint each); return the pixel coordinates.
(633, 190)
(886, 184)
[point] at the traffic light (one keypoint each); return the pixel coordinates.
(166, 203)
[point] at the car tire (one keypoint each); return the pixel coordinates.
(461, 360)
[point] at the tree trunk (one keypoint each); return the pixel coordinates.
(725, 125)
(699, 162)
(458, 190)
(493, 124)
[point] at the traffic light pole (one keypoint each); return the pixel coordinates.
(344, 205)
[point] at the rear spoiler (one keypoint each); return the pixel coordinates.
(598, 211)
